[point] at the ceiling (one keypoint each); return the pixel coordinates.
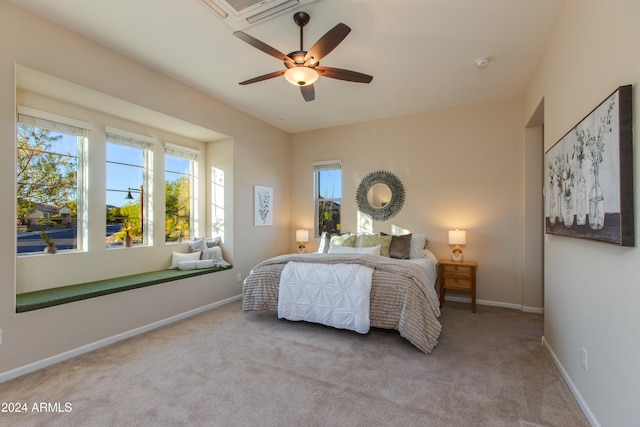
(421, 53)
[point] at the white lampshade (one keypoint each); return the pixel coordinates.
(302, 235)
(457, 237)
(301, 75)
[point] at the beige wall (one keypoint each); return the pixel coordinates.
(591, 289)
(255, 154)
(461, 168)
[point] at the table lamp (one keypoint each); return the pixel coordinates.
(457, 238)
(302, 237)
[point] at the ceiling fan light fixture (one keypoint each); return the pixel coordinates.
(301, 76)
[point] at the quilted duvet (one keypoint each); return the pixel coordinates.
(402, 295)
(332, 294)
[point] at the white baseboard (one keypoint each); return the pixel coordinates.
(537, 310)
(518, 307)
(9, 375)
(567, 379)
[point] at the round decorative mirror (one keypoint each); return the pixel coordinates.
(380, 195)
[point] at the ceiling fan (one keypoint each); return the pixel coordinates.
(303, 67)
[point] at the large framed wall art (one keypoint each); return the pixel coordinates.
(589, 175)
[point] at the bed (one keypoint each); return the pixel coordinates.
(402, 291)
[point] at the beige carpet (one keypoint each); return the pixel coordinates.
(229, 368)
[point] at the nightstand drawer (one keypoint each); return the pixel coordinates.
(452, 281)
(457, 269)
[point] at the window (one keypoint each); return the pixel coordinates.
(328, 196)
(181, 189)
(217, 202)
(129, 157)
(50, 188)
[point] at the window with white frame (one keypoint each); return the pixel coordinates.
(328, 195)
(181, 189)
(50, 182)
(217, 202)
(129, 160)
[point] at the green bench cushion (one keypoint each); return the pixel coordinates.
(65, 294)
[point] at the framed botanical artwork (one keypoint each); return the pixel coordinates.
(263, 206)
(589, 175)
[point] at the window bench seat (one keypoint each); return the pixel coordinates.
(49, 297)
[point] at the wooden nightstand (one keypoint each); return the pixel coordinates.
(458, 276)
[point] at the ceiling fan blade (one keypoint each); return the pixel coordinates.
(263, 47)
(341, 74)
(308, 92)
(328, 42)
(263, 77)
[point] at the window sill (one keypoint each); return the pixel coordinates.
(56, 296)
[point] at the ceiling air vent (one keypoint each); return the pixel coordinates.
(240, 14)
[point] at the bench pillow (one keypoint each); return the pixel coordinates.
(178, 257)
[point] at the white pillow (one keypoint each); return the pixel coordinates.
(178, 257)
(339, 249)
(187, 265)
(214, 241)
(418, 243)
(198, 245)
(373, 250)
(205, 263)
(214, 253)
(430, 256)
(195, 265)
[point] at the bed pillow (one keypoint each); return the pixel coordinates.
(419, 242)
(178, 257)
(369, 240)
(400, 247)
(342, 240)
(340, 249)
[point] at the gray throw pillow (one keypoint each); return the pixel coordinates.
(400, 247)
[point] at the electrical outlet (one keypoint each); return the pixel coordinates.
(584, 359)
(239, 277)
(0, 336)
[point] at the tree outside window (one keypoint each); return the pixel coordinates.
(46, 188)
(328, 197)
(180, 190)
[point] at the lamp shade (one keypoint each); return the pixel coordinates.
(301, 75)
(302, 235)
(457, 237)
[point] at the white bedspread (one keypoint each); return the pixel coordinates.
(335, 295)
